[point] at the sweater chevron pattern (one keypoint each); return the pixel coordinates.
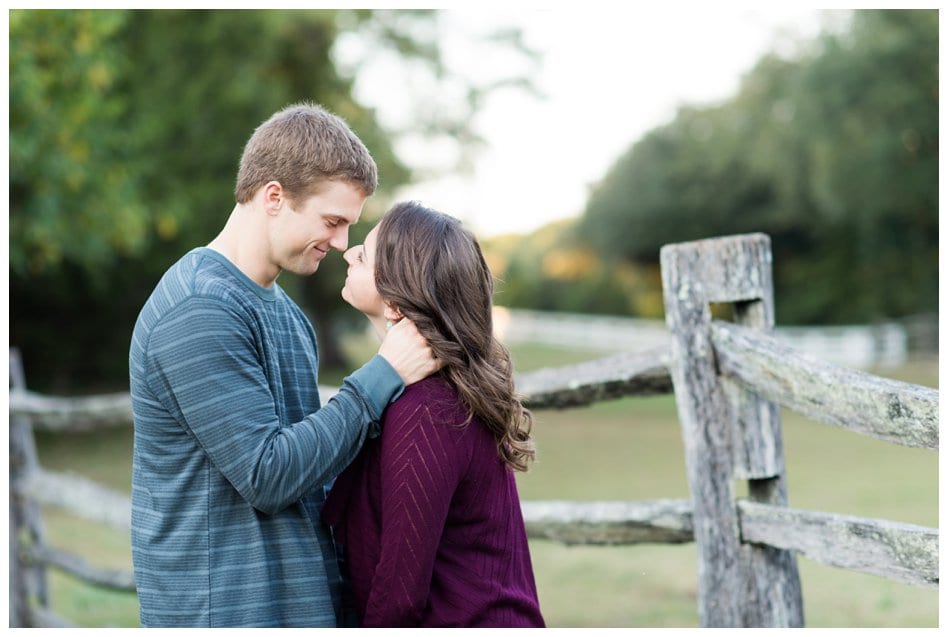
(430, 523)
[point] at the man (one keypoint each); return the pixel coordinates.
(232, 448)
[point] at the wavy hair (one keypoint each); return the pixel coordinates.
(432, 269)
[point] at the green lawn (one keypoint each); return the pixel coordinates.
(625, 449)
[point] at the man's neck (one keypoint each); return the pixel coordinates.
(243, 243)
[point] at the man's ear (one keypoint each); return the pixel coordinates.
(273, 196)
(392, 313)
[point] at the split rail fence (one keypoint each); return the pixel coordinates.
(729, 379)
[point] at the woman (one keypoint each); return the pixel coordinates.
(428, 515)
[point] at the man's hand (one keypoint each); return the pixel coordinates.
(408, 352)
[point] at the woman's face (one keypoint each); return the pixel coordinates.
(359, 290)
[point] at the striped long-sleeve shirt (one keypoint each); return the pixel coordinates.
(232, 452)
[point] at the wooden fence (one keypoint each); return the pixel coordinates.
(729, 381)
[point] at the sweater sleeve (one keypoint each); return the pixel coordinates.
(204, 367)
(420, 471)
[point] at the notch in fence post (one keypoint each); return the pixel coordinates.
(727, 432)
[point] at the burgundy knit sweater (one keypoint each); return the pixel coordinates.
(430, 523)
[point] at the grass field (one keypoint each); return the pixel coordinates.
(627, 449)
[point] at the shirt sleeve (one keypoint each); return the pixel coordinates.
(205, 368)
(420, 471)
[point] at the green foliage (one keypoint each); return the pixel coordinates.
(554, 270)
(64, 111)
(126, 131)
(126, 127)
(834, 154)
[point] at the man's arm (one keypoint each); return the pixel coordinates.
(204, 367)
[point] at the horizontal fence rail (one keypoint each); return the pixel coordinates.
(662, 521)
(627, 374)
(886, 409)
(901, 552)
(111, 579)
(85, 413)
(859, 346)
(77, 495)
(81, 413)
(570, 522)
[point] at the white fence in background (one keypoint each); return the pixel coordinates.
(859, 346)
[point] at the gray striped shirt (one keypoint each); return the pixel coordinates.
(232, 452)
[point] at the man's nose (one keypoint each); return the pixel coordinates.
(340, 240)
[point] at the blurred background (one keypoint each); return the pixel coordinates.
(576, 144)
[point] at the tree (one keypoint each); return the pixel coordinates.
(126, 131)
(64, 108)
(834, 154)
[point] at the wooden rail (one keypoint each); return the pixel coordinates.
(729, 380)
(879, 407)
(627, 374)
(657, 521)
(902, 552)
(85, 413)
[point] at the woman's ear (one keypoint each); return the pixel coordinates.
(392, 313)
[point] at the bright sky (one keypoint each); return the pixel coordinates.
(608, 78)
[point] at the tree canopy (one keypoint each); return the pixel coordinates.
(126, 129)
(833, 153)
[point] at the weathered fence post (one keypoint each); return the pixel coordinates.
(19, 595)
(25, 580)
(728, 433)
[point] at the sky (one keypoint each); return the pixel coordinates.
(607, 78)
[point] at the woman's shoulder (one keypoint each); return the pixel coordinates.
(433, 399)
(432, 386)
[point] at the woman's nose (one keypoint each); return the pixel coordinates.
(347, 255)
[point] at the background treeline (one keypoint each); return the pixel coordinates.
(126, 129)
(833, 153)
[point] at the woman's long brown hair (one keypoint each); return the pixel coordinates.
(431, 268)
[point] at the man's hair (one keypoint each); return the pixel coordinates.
(432, 269)
(304, 146)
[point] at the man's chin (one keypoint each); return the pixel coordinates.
(308, 269)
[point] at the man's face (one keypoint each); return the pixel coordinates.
(301, 237)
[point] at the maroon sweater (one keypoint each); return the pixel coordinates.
(430, 522)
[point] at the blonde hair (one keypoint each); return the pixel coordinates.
(302, 147)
